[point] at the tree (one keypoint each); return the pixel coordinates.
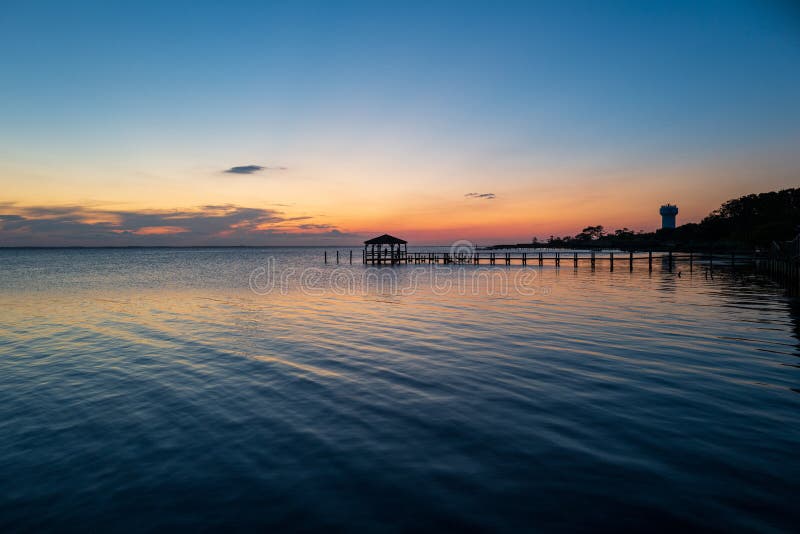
(624, 233)
(591, 233)
(756, 219)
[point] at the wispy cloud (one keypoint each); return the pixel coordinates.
(485, 196)
(316, 227)
(252, 169)
(204, 225)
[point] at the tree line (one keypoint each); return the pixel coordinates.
(751, 221)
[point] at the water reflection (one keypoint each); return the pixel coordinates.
(794, 314)
(150, 389)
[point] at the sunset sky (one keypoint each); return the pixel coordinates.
(271, 123)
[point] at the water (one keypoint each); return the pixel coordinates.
(151, 389)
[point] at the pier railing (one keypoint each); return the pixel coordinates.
(610, 259)
(781, 262)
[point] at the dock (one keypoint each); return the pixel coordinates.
(781, 262)
(608, 259)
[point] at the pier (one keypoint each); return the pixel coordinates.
(610, 260)
(782, 265)
(782, 262)
(390, 250)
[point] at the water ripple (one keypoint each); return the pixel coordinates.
(148, 390)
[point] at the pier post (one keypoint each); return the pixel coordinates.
(575, 259)
(558, 259)
(630, 261)
(541, 260)
(326, 256)
(711, 260)
(691, 260)
(351, 257)
(524, 258)
(650, 260)
(337, 257)
(593, 260)
(611, 259)
(508, 258)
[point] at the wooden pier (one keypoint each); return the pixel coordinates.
(608, 259)
(782, 262)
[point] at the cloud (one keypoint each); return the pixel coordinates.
(245, 169)
(485, 196)
(315, 227)
(160, 230)
(252, 169)
(224, 224)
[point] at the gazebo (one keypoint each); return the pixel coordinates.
(385, 249)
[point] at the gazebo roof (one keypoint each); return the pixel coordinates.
(385, 239)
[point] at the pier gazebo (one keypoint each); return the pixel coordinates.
(385, 249)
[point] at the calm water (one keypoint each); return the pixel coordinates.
(153, 389)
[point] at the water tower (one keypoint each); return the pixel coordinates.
(668, 213)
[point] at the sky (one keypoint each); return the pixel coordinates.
(274, 123)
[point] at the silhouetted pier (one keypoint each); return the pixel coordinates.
(782, 263)
(594, 259)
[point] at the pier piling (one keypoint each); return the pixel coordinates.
(668, 258)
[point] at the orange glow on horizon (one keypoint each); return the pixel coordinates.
(160, 230)
(347, 206)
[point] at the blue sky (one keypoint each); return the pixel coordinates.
(103, 102)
